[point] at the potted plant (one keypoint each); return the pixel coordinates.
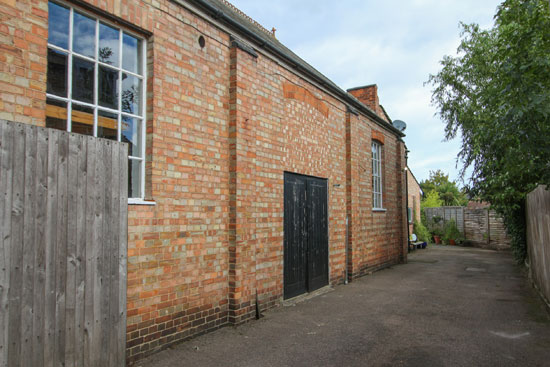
(437, 234)
(452, 235)
(436, 230)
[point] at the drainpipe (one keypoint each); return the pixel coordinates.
(407, 210)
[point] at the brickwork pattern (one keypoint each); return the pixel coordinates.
(375, 236)
(243, 199)
(179, 261)
(279, 134)
(368, 95)
(23, 63)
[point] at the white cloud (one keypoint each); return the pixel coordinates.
(395, 44)
(431, 160)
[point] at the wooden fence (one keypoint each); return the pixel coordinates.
(538, 239)
(480, 227)
(63, 243)
(446, 213)
(485, 228)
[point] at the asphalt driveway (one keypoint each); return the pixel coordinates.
(449, 306)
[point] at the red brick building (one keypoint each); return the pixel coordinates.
(253, 177)
(414, 196)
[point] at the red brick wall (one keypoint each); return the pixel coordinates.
(368, 95)
(275, 134)
(414, 197)
(221, 132)
(178, 264)
(375, 236)
(23, 46)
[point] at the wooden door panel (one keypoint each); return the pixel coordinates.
(317, 233)
(295, 235)
(305, 234)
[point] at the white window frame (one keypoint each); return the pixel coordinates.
(95, 106)
(377, 189)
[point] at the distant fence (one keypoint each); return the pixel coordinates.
(480, 227)
(63, 248)
(538, 239)
(485, 228)
(446, 213)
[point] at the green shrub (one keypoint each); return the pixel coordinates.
(432, 200)
(421, 231)
(452, 232)
(437, 231)
(435, 226)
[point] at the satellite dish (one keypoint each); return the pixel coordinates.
(399, 125)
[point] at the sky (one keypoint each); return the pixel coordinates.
(395, 44)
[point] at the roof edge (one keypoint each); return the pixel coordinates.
(264, 42)
(235, 42)
(386, 113)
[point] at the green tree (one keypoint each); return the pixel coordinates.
(448, 190)
(437, 178)
(495, 95)
(432, 200)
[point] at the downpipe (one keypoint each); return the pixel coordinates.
(347, 250)
(407, 209)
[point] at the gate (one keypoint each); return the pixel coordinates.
(305, 234)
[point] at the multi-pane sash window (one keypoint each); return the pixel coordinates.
(96, 84)
(377, 175)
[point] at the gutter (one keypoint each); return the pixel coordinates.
(298, 64)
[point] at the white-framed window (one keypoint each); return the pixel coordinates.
(376, 175)
(96, 83)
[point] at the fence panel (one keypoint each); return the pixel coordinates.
(446, 213)
(485, 228)
(63, 248)
(538, 239)
(477, 226)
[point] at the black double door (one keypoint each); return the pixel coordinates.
(305, 234)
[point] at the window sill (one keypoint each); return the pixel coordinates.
(381, 210)
(140, 202)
